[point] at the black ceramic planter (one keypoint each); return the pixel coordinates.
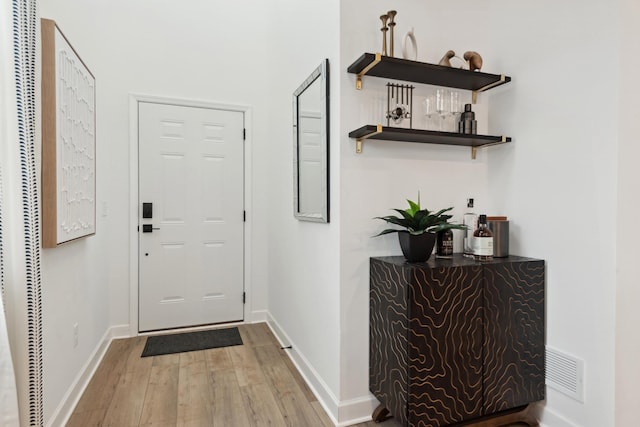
(416, 248)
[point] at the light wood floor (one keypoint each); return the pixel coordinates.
(254, 384)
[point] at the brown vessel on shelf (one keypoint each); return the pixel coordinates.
(473, 59)
(446, 59)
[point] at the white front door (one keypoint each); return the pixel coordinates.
(191, 178)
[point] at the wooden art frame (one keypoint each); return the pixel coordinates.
(68, 141)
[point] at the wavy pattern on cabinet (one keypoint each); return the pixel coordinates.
(514, 335)
(445, 352)
(388, 337)
(451, 341)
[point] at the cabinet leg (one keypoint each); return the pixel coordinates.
(380, 413)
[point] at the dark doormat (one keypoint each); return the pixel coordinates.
(191, 341)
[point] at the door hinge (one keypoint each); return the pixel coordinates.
(244, 134)
(244, 216)
(244, 297)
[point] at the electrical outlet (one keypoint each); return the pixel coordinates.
(75, 335)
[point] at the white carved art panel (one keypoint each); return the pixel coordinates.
(69, 141)
(76, 144)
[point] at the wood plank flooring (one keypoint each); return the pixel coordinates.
(250, 385)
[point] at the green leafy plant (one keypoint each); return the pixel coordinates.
(417, 221)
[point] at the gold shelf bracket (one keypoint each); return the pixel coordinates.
(474, 94)
(360, 140)
(366, 69)
(474, 150)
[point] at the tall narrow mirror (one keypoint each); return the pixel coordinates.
(311, 146)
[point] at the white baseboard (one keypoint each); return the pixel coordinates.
(259, 316)
(325, 396)
(63, 412)
(120, 331)
(356, 411)
(341, 413)
(549, 418)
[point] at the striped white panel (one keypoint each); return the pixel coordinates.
(565, 373)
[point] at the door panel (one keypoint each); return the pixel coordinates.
(310, 159)
(191, 169)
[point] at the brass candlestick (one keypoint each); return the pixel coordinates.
(391, 14)
(384, 30)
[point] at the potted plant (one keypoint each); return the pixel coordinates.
(419, 228)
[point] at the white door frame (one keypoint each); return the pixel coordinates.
(134, 100)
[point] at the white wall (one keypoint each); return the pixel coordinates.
(201, 50)
(388, 173)
(560, 179)
(303, 256)
(556, 181)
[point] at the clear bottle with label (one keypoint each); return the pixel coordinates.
(470, 220)
(483, 241)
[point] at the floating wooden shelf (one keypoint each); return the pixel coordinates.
(424, 137)
(376, 65)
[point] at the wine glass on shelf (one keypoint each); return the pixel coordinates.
(454, 111)
(429, 108)
(443, 106)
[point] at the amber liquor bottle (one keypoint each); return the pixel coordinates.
(483, 241)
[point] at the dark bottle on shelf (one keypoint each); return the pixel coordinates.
(468, 123)
(483, 241)
(444, 244)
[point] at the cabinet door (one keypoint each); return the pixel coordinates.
(514, 334)
(388, 331)
(445, 345)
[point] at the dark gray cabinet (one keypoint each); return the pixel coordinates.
(456, 340)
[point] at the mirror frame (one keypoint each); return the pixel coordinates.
(321, 73)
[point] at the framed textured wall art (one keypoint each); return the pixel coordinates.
(68, 141)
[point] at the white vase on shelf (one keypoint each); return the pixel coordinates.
(409, 46)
